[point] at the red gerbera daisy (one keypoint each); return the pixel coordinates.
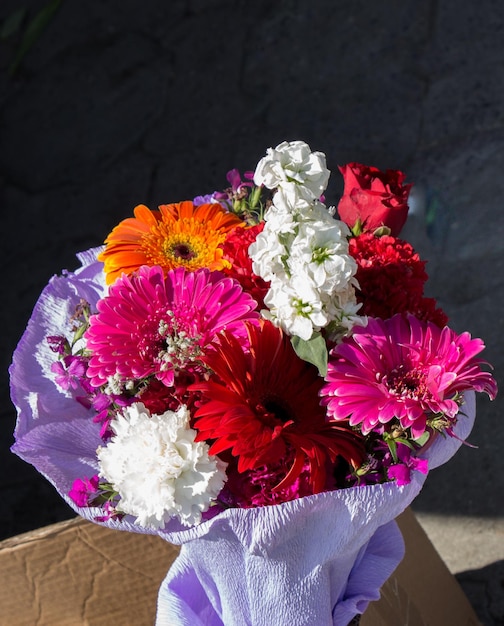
(263, 401)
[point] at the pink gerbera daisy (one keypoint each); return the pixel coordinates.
(403, 369)
(262, 405)
(152, 324)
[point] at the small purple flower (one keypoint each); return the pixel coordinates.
(104, 405)
(104, 418)
(69, 372)
(83, 490)
(238, 189)
(110, 513)
(401, 471)
(101, 401)
(234, 179)
(209, 198)
(58, 344)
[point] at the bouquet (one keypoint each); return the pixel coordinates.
(250, 376)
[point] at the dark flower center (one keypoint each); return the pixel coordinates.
(183, 251)
(274, 409)
(407, 383)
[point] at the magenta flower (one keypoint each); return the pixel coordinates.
(105, 406)
(406, 462)
(234, 179)
(58, 344)
(402, 369)
(69, 372)
(259, 487)
(84, 490)
(238, 187)
(149, 324)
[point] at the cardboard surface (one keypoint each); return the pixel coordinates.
(78, 573)
(422, 591)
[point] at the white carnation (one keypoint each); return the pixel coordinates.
(158, 469)
(295, 169)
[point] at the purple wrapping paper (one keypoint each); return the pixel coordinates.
(313, 561)
(319, 562)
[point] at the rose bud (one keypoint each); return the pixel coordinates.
(373, 199)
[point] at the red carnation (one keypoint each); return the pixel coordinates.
(391, 279)
(235, 250)
(372, 198)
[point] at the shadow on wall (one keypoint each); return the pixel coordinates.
(485, 590)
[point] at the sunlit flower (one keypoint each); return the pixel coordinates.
(403, 370)
(373, 198)
(406, 462)
(391, 278)
(263, 401)
(320, 250)
(236, 252)
(295, 306)
(259, 487)
(176, 235)
(294, 168)
(84, 490)
(304, 255)
(157, 468)
(151, 324)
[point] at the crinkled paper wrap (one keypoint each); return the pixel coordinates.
(313, 561)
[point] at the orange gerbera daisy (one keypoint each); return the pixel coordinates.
(176, 235)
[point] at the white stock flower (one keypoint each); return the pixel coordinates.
(320, 250)
(294, 168)
(286, 208)
(158, 469)
(267, 253)
(343, 309)
(302, 250)
(295, 306)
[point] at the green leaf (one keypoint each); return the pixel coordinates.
(381, 231)
(313, 351)
(393, 449)
(255, 196)
(423, 439)
(12, 24)
(33, 31)
(357, 228)
(406, 442)
(79, 333)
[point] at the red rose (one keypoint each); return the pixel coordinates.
(373, 198)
